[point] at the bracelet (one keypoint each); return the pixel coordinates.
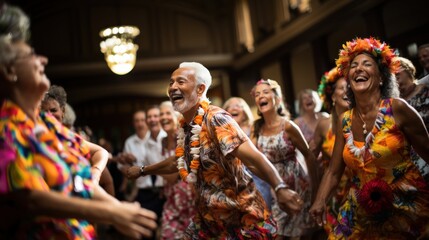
(142, 170)
(280, 186)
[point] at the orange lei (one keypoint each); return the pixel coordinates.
(190, 177)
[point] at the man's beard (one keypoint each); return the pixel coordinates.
(186, 105)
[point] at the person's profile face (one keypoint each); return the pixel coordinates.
(168, 119)
(139, 121)
(235, 108)
(340, 94)
(53, 107)
(424, 58)
(152, 118)
(29, 68)
(183, 90)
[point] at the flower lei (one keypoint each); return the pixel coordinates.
(359, 152)
(191, 176)
(380, 51)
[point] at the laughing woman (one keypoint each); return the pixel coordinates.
(388, 197)
(277, 137)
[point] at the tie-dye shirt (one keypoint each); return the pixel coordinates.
(228, 204)
(44, 156)
(388, 197)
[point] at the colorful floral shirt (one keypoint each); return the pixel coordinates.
(228, 205)
(44, 156)
(388, 198)
(420, 102)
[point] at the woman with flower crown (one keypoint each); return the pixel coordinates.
(332, 90)
(211, 150)
(278, 138)
(388, 197)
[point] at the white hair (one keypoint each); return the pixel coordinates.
(202, 75)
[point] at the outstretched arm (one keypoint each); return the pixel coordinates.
(254, 160)
(167, 166)
(331, 177)
(128, 218)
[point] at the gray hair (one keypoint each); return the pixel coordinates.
(202, 75)
(14, 27)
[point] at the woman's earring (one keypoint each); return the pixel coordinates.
(333, 103)
(348, 85)
(381, 83)
(15, 78)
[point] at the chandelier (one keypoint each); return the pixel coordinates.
(119, 49)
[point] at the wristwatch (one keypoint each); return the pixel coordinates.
(142, 170)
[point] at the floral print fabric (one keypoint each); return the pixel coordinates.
(280, 151)
(228, 204)
(179, 206)
(44, 156)
(420, 102)
(388, 198)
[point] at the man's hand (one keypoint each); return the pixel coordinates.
(125, 158)
(133, 172)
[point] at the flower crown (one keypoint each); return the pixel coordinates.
(381, 51)
(272, 83)
(326, 86)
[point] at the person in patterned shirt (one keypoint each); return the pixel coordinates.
(46, 187)
(211, 153)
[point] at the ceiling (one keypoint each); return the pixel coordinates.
(67, 32)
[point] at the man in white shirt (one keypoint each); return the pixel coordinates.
(144, 148)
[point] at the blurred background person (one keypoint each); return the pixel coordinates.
(423, 55)
(417, 95)
(277, 137)
(332, 90)
(241, 113)
(388, 197)
(179, 207)
(46, 190)
(309, 105)
(54, 102)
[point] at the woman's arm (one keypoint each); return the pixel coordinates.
(254, 160)
(99, 159)
(331, 177)
(411, 124)
(128, 218)
(167, 166)
(298, 140)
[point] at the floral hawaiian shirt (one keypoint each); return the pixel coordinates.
(44, 156)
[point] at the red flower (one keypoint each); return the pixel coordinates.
(375, 197)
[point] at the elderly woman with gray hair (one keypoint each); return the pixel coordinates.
(417, 95)
(46, 190)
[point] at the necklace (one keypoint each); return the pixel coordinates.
(185, 174)
(364, 123)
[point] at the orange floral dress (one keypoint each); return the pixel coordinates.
(388, 198)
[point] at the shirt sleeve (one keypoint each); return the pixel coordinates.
(227, 132)
(16, 170)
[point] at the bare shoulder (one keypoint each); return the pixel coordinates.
(400, 106)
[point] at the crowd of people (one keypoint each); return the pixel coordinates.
(353, 165)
